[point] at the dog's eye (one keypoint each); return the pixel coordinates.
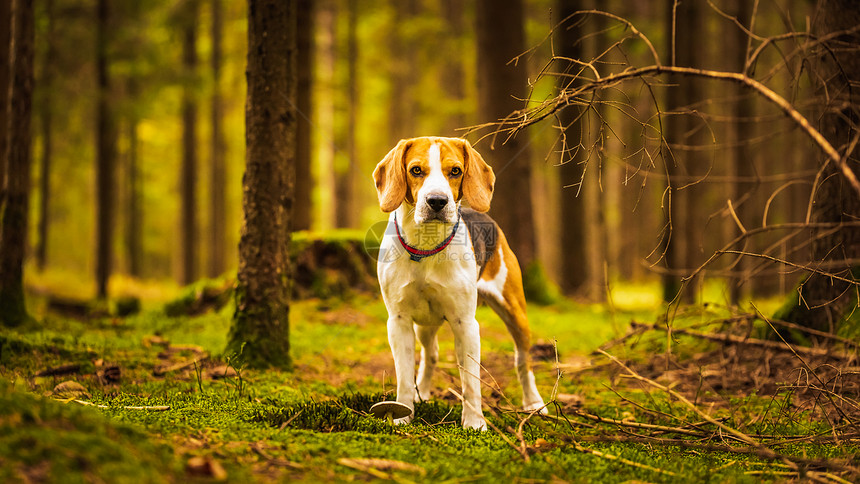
(415, 170)
(456, 171)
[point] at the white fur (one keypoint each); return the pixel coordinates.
(493, 289)
(435, 183)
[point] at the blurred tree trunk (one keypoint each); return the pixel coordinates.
(327, 87)
(574, 262)
(14, 214)
(46, 115)
(218, 149)
(452, 67)
(742, 163)
(6, 46)
(134, 236)
(106, 136)
(501, 37)
(401, 109)
(188, 177)
(305, 53)
(823, 301)
(683, 163)
(346, 174)
(260, 329)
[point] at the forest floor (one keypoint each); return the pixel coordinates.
(156, 400)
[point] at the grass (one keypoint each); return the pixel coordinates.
(301, 425)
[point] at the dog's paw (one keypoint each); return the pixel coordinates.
(422, 395)
(476, 422)
(402, 421)
(538, 405)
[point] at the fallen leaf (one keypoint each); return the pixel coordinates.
(70, 389)
(206, 467)
(220, 372)
(110, 374)
(569, 399)
(540, 445)
(380, 465)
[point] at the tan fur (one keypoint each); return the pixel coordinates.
(479, 179)
(390, 178)
(514, 304)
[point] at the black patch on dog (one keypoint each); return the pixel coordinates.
(484, 234)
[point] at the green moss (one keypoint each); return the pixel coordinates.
(48, 441)
(342, 365)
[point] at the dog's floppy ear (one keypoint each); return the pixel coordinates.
(390, 177)
(478, 179)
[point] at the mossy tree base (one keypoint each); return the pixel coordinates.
(537, 286)
(13, 312)
(260, 335)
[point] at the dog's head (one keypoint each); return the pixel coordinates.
(434, 174)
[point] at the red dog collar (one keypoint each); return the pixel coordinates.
(418, 254)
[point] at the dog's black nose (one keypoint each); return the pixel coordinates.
(437, 202)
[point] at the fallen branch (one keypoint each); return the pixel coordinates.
(638, 425)
(760, 450)
(829, 464)
(164, 369)
(66, 369)
(730, 338)
(736, 433)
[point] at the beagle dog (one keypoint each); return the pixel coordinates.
(437, 259)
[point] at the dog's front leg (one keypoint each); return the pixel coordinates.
(467, 341)
(402, 342)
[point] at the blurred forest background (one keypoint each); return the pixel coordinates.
(151, 94)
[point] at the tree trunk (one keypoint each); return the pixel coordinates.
(188, 177)
(260, 329)
(346, 213)
(743, 165)
(217, 190)
(822, 302)
(327, 87)
(453, 74)
(106, 136)
(13, 239)
(683, 161)
(5, 65)
(501, 37)
(574, 262)
(401, 109)
(47, 108)
(305, 52)
(134, 236)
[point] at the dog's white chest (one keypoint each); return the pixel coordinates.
(436, 289)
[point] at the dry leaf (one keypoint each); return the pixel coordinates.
(206, 467)
(220, 372)
(70, 389)
(380, 465)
